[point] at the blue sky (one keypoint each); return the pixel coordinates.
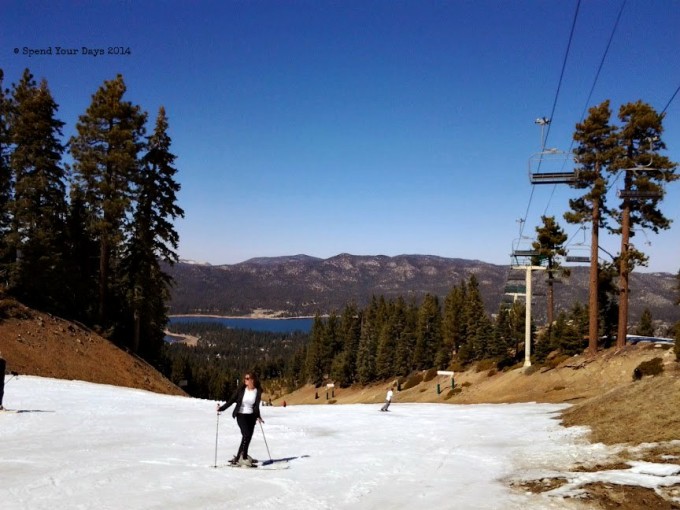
(365, 127)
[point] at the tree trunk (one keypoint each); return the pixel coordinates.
(593, 305)
(624, 274)
(103, 276)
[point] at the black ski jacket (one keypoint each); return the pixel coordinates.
(237, 398)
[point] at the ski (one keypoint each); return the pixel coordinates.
(266, 467)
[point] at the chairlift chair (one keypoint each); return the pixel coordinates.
(553, 159)
(636, 194)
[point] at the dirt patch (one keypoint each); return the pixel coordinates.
(34, 343)
(607, 496)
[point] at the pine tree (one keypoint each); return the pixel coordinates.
(640, 140)
(646, 326)
(550, 239)
(152, 240)
(106, 167)
(428, 334)
(607, 303)
(452, 325)
(314, 364)
(83, 251)
(38, 208)
(477, 324)
(387, 343)
(344, 371)
(6, 182)
(407, 314)
(597, 148)
(368, 342)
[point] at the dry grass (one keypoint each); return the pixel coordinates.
(645, 411)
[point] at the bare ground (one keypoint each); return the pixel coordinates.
(35, 343)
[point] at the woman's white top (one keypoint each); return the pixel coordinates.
(248, 401)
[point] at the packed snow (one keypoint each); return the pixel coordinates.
(76, 445)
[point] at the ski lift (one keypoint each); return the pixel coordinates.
(523, 257)
(547, 166)
(516, 276)
(554, 160)
(580, 259)
(638, 194)
(580, 252)
(512, 289)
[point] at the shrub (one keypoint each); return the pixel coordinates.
(651, 367)
(430, 374)
(485, 364)
(466, 384)
(412, 381)
(422, 389)
(333, 401)
(451, 393)
(492, 372)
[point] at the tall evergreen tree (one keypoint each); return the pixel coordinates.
(368, 342)
(550, 239)
(429, 333)
(646, 325)
(38, 208)
(314, 364)
(640, 138)
(597, 148)
(408, 312)
(6, 183)
(106, 167)
(82, 261)
(452, 324)
(152, 240)
(344, 371)
(387, 343)
(477, 324)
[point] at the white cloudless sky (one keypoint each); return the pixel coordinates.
(81, 445)
(365, 127)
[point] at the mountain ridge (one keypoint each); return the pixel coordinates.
(302, 285)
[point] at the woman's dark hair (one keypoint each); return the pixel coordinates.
(255, 378)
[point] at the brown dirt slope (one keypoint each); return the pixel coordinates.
(34, 343)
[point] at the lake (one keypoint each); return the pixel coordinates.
(273, 325)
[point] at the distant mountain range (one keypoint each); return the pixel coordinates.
(301, 285)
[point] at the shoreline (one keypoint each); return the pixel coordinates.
(251, 316)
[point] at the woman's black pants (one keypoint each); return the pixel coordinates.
(246, 422)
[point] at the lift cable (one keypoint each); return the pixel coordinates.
(557, 93)
(592, 89)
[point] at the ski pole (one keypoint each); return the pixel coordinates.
(217, 433)
(13, 376)
(265, 443)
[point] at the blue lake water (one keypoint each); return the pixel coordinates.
(272, 325)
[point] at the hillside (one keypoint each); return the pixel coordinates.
(302, 285)
(34, 343)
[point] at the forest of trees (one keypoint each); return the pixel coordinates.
(84, 238)
(385, 340)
